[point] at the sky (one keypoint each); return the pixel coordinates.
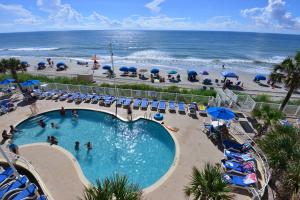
(275, 16)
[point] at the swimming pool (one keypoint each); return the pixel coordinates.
(142, 150)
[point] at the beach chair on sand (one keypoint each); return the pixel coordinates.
(13, 187)
(127, 102)
(95, 99)
(181, 108)
(137, 102)
(154, 105)
(120, 101)
(162, 106)
(237, 167)
(29, 193)
(242, 182)
(239, 157)
(144, 104)
(172, 107)
(6, 176)
(237, 147)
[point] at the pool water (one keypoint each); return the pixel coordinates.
(142, 150)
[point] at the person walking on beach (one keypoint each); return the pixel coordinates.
(129, 113)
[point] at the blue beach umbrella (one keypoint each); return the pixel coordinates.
(154, 71)
(228, 74)
(172, 72)
(192, 73)
(30, 83)
(24, 63)
(60, 64)
(124, 69)
(7, 81)
(220, 113)
(204, 72)
(106, 67)
(41, 63)
(260, 77)
(132, 69)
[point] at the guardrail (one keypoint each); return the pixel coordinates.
(290, 110)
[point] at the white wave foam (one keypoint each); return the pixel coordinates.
(34, 49)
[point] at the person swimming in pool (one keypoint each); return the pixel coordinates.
(74, 114)
(53, 125)
(62, 111)
(42, 124)
(89, 146)
(77, 146)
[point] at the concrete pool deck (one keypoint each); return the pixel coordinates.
(60, 174)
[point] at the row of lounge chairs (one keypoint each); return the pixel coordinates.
(17, 188)
(239, 165)
(6, 106)
(107, 100)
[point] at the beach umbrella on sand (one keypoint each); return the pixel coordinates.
(41, 63)
(172, 72)
(60, 64)
(124, 69)
(260, 77)
(30, 83)
(7, 81)
(24, 63)
(204, 72)
(220, 113)
(192, 73)
(106, 67)
(132, 69)
(143, 70)
(228, 74)
(154, 71)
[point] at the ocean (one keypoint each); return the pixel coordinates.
(251, 52)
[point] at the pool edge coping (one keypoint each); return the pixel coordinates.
(78, 169)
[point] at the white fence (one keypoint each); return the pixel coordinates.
(187, 98)
(289, 110)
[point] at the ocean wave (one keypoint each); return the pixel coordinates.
(34, 49)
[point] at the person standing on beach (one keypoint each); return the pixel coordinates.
(223, 66)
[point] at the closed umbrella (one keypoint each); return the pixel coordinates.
(172, 72)
(154, 71)
(220, 113)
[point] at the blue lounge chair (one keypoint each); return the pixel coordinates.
(73, 97)
(162, 106)
(88, 98)
(181, 107)
(37, 92)
(108, 100)
(239, 168)
(144, 104)
(154, 105)
(50, 93)
(120, 101)
(58, 94)
(237, 147)
(29, 193)
(95, 99)
(172, 106)
(15, 186)
(6, 175)
(127, 102)
(137, 102)
(42, 197)
(65, 96)
(244, 182)
(80, 98)
(239, 157)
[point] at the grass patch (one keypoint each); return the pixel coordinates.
(262, 98)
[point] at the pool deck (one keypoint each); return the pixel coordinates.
(59, 170)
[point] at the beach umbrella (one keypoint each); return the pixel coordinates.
(172, 72)
(260, 77)
(143, 70)
(24, 63)
(132, 69)
(106, 67)
(60, 64)
(41, 63)
(124, 69)
(30, 83)
(228, 74)
(220, 113)
(154, 71)
(192, 73)
(204, 72)
(7, 81)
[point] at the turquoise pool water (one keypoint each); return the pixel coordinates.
(142, 150)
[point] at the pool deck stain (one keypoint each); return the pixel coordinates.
(64, 181)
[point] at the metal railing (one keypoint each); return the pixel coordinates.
(289, 110)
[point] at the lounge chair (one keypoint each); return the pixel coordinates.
(95, 99)
(42, 197)
(238, 168)
(7, 105)
(13, 187)
(154, 105)
(244, 182)
(162, 106)
(239, 157)
(108, 100)
(181, 107)
(172, 106)
(144, 104)
(80, 98)
(202, 109)
(192, 110)
(127, 102)
(120, 101)
(49, 94)
(58, 94)
(73, 97)
(137, 102)
(88, 98)
(29, 193)
(237, 147)
(36, 92)
(6, 175)
(65, 96)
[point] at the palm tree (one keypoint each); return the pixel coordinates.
(287, 72)
(268, 115)
(282, 147)
(114, 188)
(12, 65)
(207, 184)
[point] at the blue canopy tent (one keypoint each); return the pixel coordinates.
(7, 81)
(124, 69)
(154, 71)
(106, 67)
(132, 69)
(260, 77)
(30, 83)
(221, 113)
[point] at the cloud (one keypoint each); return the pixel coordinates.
(18, 14)
(273, 15)
(96, 18)
(154, 6)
